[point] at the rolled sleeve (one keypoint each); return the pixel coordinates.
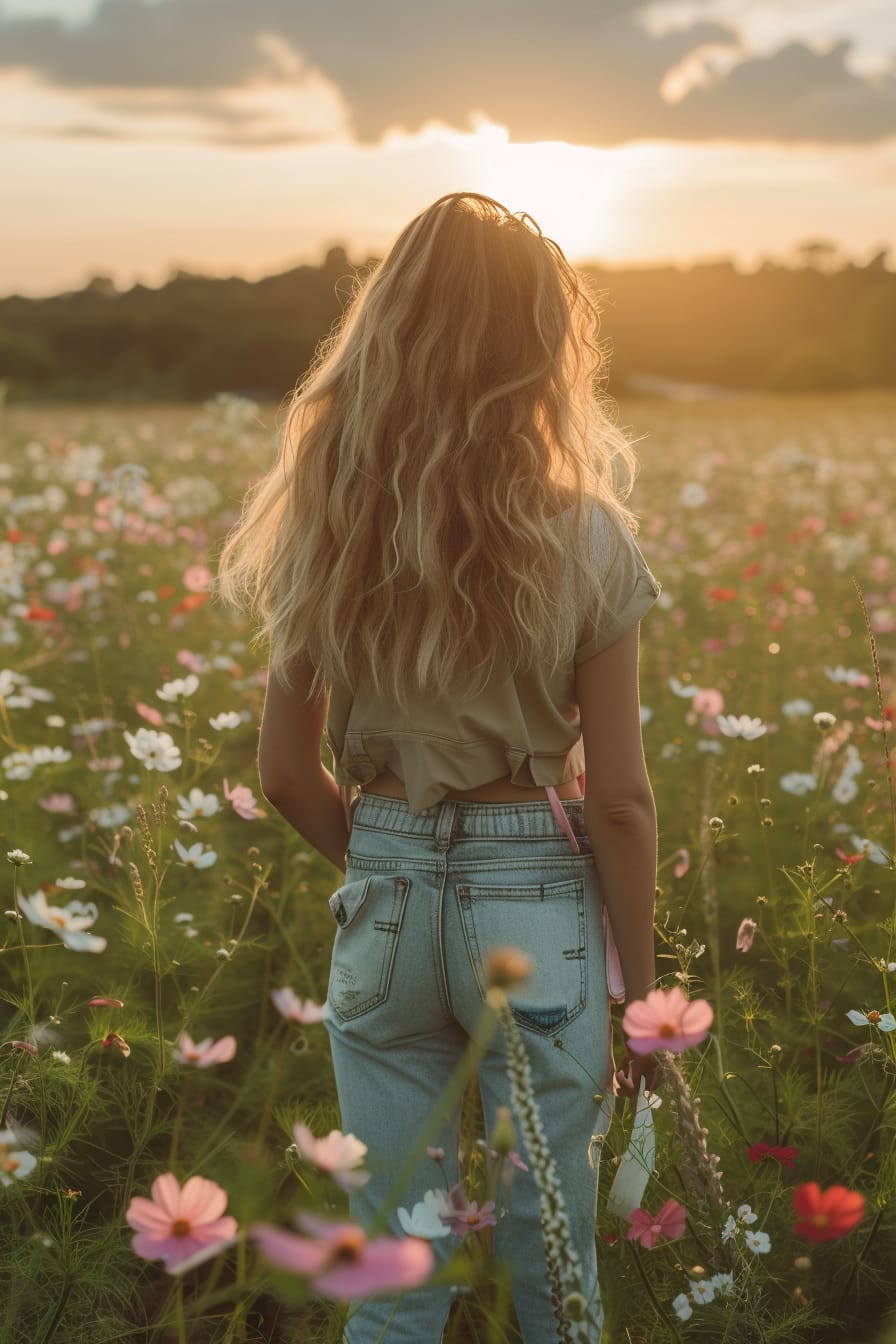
(630, 589)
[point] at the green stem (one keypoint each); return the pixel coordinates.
(20, 920)
(858, 1260)
(179, 1312)
(16, 1065)
(175, 1128)
(50, 1331)
(662, 1314)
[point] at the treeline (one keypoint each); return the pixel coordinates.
(786, 328)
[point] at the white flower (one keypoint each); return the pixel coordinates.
(693, 495)
(824, 720)
(50, 755)
(758, 1242)
(61, 1056)
(228, 719)
(68, 922)
(16, 1162)
(685, 690)
(196, 804)
(18, 857)
(71, 883)
(755, 769)
(114, 815)
(847, 676)
(711, 745)
(682, 1307)
(798, 782)
(742, 725)
(845, 789)
(872, 851)
(730, 1230)
(745, 1214)
(424, 1219)
(155, 750)
(646, 713)
(795, 708)
(181, 686)
(885, 1021)
(724, 1282)
(702, 1291)
(197, 856)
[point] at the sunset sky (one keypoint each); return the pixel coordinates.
(247, 136)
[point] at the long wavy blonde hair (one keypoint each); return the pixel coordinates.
(408, 523)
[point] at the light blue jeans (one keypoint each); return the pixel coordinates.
(424, 898)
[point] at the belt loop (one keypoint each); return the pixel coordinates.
(445, 823)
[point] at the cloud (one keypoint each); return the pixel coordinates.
(576, 70)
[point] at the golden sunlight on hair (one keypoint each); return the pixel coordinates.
(412, 531)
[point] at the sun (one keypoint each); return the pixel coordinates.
(576, 194)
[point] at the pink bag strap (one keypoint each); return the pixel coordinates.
(615, 982)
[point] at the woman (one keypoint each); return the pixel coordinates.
(444, 565)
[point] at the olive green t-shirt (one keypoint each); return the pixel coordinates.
(525, 725)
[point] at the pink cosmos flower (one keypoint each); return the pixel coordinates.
(708, 701)
(179, 1223)
(243, 801)
(667, 1224)
(338, 1155)
(196, 578)
(195, 662)
(682, 862)
(745, 932)
(465, 1215)
(665, 1020)
(150, 713)
(290, 1005)
(62, 803)
(206, 1052)
(340, 1262)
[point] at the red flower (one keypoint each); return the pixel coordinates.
(825, 1215)
(750, 571)
(190, 602)
(722, 594)
(783, 1155)
(38, 613)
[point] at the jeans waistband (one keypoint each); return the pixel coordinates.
(457, 818)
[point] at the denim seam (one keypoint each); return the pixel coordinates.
(439, 947)
(382, 992)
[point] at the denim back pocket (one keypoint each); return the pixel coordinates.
(369, 913)
(546, 921)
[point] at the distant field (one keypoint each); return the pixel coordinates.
(756, 517)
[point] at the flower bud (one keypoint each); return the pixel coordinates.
(503, 1138)
(507, 966)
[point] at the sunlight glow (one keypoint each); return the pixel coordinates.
(575, 193)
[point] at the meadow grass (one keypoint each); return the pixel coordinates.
(771, 525)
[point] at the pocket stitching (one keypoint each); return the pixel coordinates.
(465, 893)
(381, 994)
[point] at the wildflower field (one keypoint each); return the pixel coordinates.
(171, 1161)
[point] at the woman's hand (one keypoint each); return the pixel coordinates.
(634, 1068)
